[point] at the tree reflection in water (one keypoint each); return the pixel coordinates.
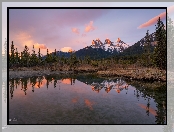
(144, 90)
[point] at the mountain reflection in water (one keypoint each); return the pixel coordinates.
(137, 103)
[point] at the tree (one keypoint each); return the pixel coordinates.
(73, 61)
(160, 58)
(33, 58)
(39, 57)
(25, 56)
(170, 42)
(12, 55)
(17, 57)
(147, 44)
(55, 58)
(49, 57)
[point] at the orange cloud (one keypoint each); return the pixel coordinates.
(23, 38)
(154, 20)
(75, 30)
(89, 27)
(41, 46)
(66, 49)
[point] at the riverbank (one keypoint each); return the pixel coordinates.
(133, 74)
(145, 74)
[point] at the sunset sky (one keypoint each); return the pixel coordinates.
(74, 29)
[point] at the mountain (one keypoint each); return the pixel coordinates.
(92, 53)
(109, 46)
(138, 47)
(98, 50)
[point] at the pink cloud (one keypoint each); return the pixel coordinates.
(75, 30)
(66, 49)
(41, 46)
(154, 19)
(89, 27)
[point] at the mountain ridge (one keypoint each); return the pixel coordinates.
(98, 50)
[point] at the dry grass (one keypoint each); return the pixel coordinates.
(131, 72)
(139, 74)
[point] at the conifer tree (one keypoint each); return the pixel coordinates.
(39, 57)
(170, 43)
(33, 58)
(48, 57)
(17, 57)
(55, 59)
(25, 56)
(12, 55)
(160, 57)
(147, 44)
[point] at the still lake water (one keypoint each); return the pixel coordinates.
(85, 99)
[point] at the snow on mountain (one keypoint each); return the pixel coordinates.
(110, 46)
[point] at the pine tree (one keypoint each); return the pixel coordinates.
(12, 55)
(160, 58)
(170, 42)
(33, 58)
(39, 57)
(25, 56)
(55, 59)
(49, 57)
(17, 57)
(146, 48)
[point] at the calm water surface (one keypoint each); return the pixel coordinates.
(85, 99)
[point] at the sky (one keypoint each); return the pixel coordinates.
(65, 29)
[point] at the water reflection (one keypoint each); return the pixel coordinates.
(149, 92)
(37, 82)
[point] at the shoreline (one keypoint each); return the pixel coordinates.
(144, 74)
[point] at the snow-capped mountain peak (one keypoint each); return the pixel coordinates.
(110, 46)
